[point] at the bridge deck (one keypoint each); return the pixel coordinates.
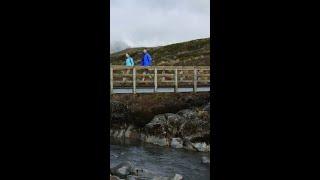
(159, 90)
(159, 79)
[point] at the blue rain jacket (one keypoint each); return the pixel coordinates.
(146, 60)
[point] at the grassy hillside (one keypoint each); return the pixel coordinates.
(191, 53)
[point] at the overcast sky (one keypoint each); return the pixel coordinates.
(158, 22)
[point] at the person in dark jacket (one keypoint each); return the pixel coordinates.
(146, 61)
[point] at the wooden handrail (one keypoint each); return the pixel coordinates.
(157, 75)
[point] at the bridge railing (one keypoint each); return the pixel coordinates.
(159, 76)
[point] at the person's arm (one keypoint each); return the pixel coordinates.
(150, 59)
(142, 61)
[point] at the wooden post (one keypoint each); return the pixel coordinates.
(163, 77)
(155, 79)
(134, 80)
(111, 80)
(176, 80)
(195, 79)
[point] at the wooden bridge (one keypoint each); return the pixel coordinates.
(159, 79)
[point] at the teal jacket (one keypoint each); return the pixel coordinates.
(129, 61)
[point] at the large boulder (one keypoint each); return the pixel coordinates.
(123, 169)
(144, 174)
(188, 114)
(192, 125)
(202, 146)
(157, 126)
(165, 125)
(176, 143)
(161, 141)
(196, 123)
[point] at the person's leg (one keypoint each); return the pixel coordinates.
(125, 72)
(123, 76)
(148, 73)
(144, 73)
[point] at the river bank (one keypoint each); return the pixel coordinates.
(171, 120)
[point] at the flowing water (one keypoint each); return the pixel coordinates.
(164, 161)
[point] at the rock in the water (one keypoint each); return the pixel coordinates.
(114, 178)
(142, 137)
(144, 173)
(176, 143)
(114, 155)
(131, 177)
(205, 160)
(160, 178)
(128, 131)
(120, 134)
(122, 170)
(157, 140)
(188, 145)
(203, 147)
(177, 177)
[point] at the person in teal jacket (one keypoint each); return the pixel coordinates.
(129, 60)
(129, 63)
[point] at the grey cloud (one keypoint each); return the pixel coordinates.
(158, 22)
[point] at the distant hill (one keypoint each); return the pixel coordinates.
(190, 53)
(118, 46)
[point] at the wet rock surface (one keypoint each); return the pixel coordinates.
(127, 171)
(205, 160)
(122, 170)
(177, 143)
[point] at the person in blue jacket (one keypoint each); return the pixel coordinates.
(146, 61)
